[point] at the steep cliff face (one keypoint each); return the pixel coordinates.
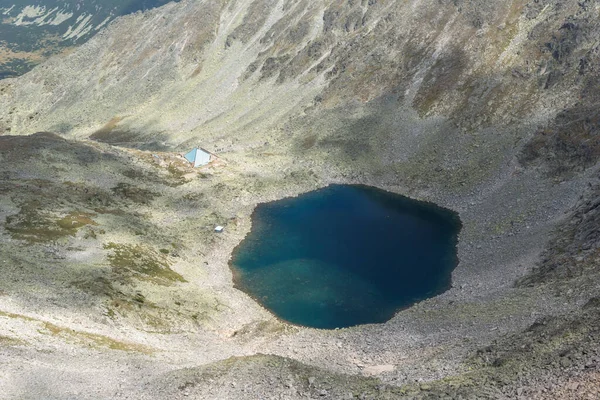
(488, 108)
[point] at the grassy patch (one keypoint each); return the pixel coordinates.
(99, 286)
(141, 262)
(76, 220)
(133, 193)
(261, 328)
(148, 313)
(93, 339)
(7, 341)
(35, 225)
(133, 305)
(177, 174)
(80, 337)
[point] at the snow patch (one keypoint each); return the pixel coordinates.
(103, 23)
(60, 17)
(38, 15)
(7, 11)
(80, 17)
(42, 19)
(81, 27)
(29, 12)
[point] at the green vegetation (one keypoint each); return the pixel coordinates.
(262, 328)
(133, 193)
(92, 339)
(141, 262)
(177, 174)
(153, 317)
(75, 220)
(129, 303)
(79, 337)
(35, 225)
(6, 341)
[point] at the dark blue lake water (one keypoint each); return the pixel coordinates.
(346, 255)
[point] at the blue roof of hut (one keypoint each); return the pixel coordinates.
(198, 157)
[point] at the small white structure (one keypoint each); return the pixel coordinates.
(198, 157)
(219, 229)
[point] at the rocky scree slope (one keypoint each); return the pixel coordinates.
(490, 109)
(384, 82)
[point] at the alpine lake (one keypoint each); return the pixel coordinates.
(345, 255)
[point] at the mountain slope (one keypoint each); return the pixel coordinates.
(204, 67)
(488, 108)
(32, 30)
